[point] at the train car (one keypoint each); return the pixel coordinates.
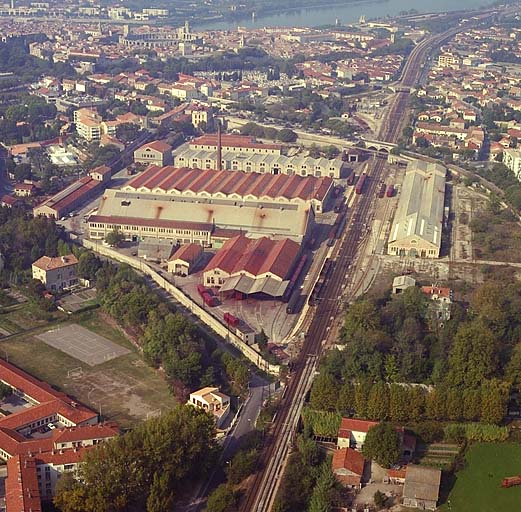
(340, 227)
(360, 183)
(381, 192)
(295, 276)
(319, 285)
(390, 191)
(295, 303)
(352, 179)
(231, 319)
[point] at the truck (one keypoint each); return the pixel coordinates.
(390, 191)
(381, 192)
(231, 320)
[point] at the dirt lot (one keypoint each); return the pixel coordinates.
(126, 389)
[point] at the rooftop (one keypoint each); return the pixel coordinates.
(47, 263)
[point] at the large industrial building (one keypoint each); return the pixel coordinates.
(241, 153)
(236, 187)
(252, 267)
(208, 220)
(418, 222)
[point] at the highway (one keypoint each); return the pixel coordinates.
(262, 490)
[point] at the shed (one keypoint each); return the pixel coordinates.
(422, 487)
(183, 261)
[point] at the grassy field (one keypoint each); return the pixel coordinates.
(478, 485)
(126, 389)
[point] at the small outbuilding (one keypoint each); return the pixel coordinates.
(185, 259)
(422, 487)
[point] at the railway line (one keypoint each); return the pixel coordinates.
(262, 490)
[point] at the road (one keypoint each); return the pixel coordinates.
(261, 493)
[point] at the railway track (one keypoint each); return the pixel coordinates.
(262, 491)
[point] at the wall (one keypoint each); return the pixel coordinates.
(188, 303)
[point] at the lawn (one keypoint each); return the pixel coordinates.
(126, 389)
(478, 485)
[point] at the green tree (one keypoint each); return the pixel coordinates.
(362, 390)
(472, 404)
(242, 465)
(115, 238)
(324, 393)
(473, 357)
(494, 397)
(513, 368)
(399, 406)
(346, 399)
(160, 498)
(223, 499)
(379, 499)
(378, 403)
(322, 497)
(382, 444)
(286, 135)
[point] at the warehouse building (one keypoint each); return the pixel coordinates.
(264, 163)
(234, 187)
(252, 267)
(234, 144)
(418, 222)
(187, 220)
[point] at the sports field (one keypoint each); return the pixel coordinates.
(478, 485)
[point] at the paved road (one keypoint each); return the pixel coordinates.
(259, 391)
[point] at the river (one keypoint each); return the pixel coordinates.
(344, 13)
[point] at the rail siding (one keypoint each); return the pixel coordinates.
(188, 303)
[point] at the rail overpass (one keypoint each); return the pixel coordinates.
(378, 145)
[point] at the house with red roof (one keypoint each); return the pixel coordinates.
(185, 259)
(56, 273)
(348, 467)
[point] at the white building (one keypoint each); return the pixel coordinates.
(212, 401)
(512, 159)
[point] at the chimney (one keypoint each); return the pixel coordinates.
(219, 147)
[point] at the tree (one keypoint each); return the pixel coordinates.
(287, 135)
(382, 444)
(513, 368)
(322, 497)
(324, 393)
(378, 403)
(399, 406)
(243, 464)
(144, 467)
(494, 397)
(473, 357)
(223, 499)
(115, 238)
(346, 399)
(88, 265)
(379, 499)
(262, 340)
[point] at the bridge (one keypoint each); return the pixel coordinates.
(378, 145)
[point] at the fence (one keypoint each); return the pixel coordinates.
(187, 302)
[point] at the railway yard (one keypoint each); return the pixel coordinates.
(352, 265)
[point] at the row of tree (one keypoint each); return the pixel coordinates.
(403, 403)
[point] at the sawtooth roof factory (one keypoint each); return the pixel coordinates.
(418, 222)
(208, 207)
(241, 153)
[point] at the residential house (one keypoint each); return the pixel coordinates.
(212, 401)
(56, 273)
(348, 467)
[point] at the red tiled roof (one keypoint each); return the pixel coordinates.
(347, 458)
(48, 263)
(156, 145)
(227, 182)
(436, 290)
(255, 256)
(85, 432)
(188, 253)
(21, 487)
(353, 425)
(244, 141)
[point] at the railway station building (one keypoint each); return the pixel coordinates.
(418, 223)
(252, 267)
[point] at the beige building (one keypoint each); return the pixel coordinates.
(183, 261)
(212, 401)
(422, 487)
(154, 153)
(418, 222)
(56, 273)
